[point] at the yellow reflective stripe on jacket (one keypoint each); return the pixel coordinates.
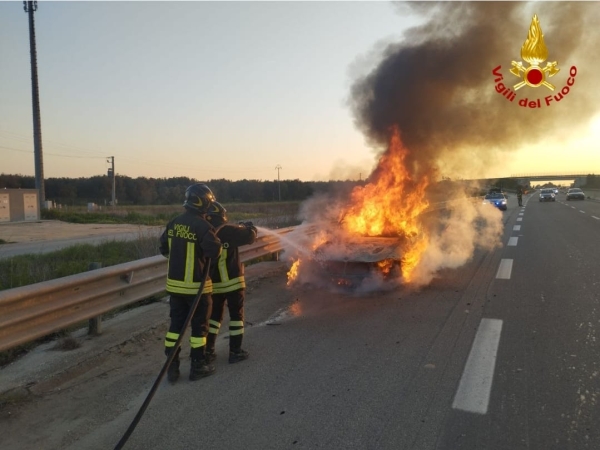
(196, 342)
(222, 265)
(181, 287)
(227, 284)
(230, 285)
(190, 263)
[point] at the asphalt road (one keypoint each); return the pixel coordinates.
(500, 354)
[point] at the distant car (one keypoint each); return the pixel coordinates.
(555, 191)
(547, 195)
(497, 199)
(575, 194)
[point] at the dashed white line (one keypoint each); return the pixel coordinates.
(505, 269)
(594, 217)
(520, 214)
(519, 219)
(512, 242)
(517, 228)
(582, 211)
(473, 394)
(573, 207)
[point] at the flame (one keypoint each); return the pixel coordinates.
(391, 203)
(385, 266)
(293, 272)
(321, 238)
(534, 50)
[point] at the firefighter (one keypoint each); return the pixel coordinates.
(188, 241)
(229, 284)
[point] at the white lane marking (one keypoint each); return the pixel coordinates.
(517, 228)
(504, 269)
(473, 394)
(582, 211)
(512, 242)
(594, 217)
(519, 219)
(573, 207)
(520, 214)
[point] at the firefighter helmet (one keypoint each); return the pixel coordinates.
(198, 197)
(216, 214)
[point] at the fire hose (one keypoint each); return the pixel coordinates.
(168, 362)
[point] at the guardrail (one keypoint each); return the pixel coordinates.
(34, 311)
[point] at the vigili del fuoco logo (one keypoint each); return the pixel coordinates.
(534, 52)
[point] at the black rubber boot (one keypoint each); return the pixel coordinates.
(173, 371)
(236, 354)
(210, 348)
(200, 369)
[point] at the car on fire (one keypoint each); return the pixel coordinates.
(497, 199)
(547, 195)
(348, 263)
(575, 194)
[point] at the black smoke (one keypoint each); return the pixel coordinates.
(437, 87)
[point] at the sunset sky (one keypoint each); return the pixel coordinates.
(231, 90)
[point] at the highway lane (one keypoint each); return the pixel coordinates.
(499, 354)
(546, 383)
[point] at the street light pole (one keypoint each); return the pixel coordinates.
(30, 8)
(278, 168)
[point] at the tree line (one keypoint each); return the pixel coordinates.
(168, 191)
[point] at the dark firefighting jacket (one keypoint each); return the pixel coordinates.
(228, 274)
(187, 241)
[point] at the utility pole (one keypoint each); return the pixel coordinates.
(111, 173)
(30, 8)
(278, 168)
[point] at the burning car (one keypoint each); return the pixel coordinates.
(349, 263)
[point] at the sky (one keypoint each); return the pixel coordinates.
(232, 90)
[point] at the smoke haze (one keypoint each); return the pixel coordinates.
(437, 85)
(437, 90)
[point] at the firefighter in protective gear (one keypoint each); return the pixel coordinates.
(187, 242)
(229, 284)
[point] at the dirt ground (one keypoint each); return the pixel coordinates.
(44, 230)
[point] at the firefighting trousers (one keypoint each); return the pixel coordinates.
(180, 306)
(235, 304)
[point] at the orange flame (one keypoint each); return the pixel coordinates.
(390, 205)
(293, 272)
(385, 266)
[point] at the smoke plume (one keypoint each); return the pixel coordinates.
(436, 91)
(437, 85)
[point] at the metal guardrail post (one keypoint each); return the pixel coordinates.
(95, 323)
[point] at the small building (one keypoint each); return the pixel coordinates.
(19, 205)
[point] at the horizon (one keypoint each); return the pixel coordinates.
(210, 90)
